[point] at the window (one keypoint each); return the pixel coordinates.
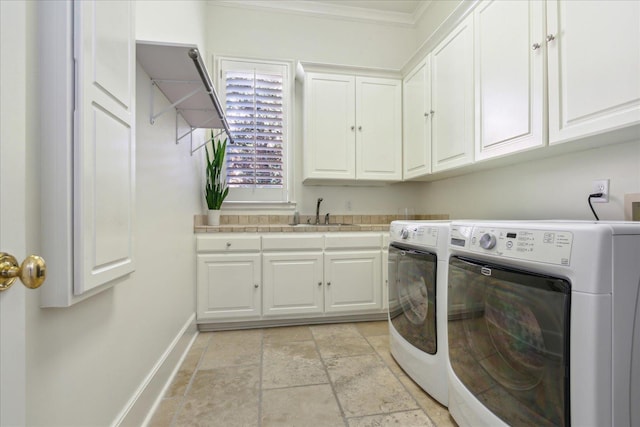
(256, 98)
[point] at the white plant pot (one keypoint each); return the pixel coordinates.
(213, 217)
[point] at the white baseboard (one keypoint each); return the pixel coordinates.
(140, 408)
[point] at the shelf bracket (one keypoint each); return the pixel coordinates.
(153, 116)
(193, 150)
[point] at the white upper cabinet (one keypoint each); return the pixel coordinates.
(352, 127)
(452, 99)
(594, 67)
(329, 126)
(509, 77)
(416, 115)
(379, 129)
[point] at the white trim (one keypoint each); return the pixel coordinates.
(145, 400)
(336, 11)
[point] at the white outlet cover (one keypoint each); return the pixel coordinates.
(600, 186)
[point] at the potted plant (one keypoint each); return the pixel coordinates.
(216, 189)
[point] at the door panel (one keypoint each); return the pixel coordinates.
(12, 207)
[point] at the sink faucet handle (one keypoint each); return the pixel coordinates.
(326, 218)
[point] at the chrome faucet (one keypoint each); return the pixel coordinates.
(318, 211)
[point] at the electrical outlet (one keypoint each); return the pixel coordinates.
(600, 186)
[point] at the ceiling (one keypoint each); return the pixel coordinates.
(400, 12)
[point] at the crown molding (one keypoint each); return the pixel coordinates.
(332, 10)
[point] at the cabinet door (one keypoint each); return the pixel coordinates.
(228, 286)
(379, 129)
(104, 143)
(329, 126)
(353, 281)
(292, 283)
(416, 142)
(594, 66)
(509, 66)
(452, 99)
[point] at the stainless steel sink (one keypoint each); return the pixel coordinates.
(332, 224)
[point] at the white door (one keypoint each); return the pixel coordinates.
(379, 129)
(353, 281)
(416, 96)
(329, 128)
(509, 78)
(594, 63)
(452, 99)
(293, 283)
(12, 209)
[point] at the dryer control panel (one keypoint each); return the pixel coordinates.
(414, 233)
(546, 246)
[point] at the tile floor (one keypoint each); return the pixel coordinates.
(311, 376)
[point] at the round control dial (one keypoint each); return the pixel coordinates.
(404, 233)
(487, 241)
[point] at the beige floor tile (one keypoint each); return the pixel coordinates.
(225, 381)
(222, 397)
(373, 328)
(292, 364)
(179, 384)
(202, 340)
(287, 334)
(365, 386)
(380, 344)
(334, 330)
(426, 402)
(415, 418)
(340, 340)
(444, 421)
(232, 348)
(165, 412)
(313, 405)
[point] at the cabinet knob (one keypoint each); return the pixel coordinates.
(550, 38)
(353, 128)
(432, 112)
(360, 128)
(256, 286)
(426, 114)
(328, 283)
(319, 283)
(228, 244)
(535, 46)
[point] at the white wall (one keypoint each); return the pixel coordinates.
(288, 36)
(553, 188)
(85, 362)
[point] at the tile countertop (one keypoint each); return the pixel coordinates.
(282, 223)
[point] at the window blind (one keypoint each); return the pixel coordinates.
(255, 113)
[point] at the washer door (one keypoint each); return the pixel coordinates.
(509, 341)
(413, 286)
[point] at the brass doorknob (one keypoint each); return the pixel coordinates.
(32, 272)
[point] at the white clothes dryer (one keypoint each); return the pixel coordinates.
(417, 302)
(544, 323)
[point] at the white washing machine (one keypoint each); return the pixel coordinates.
(417, 302)
(544, 323)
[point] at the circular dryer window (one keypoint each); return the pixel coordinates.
(414, 299)
(517, 338)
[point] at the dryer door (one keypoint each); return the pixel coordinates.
(509, 341)
(414, 286)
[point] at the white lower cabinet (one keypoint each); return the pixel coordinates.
(278, 276)
(353, 281)
(229, 275)
(292, 274)
(229, 286)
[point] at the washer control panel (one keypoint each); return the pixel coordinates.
(414, 233)
(546, 246)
